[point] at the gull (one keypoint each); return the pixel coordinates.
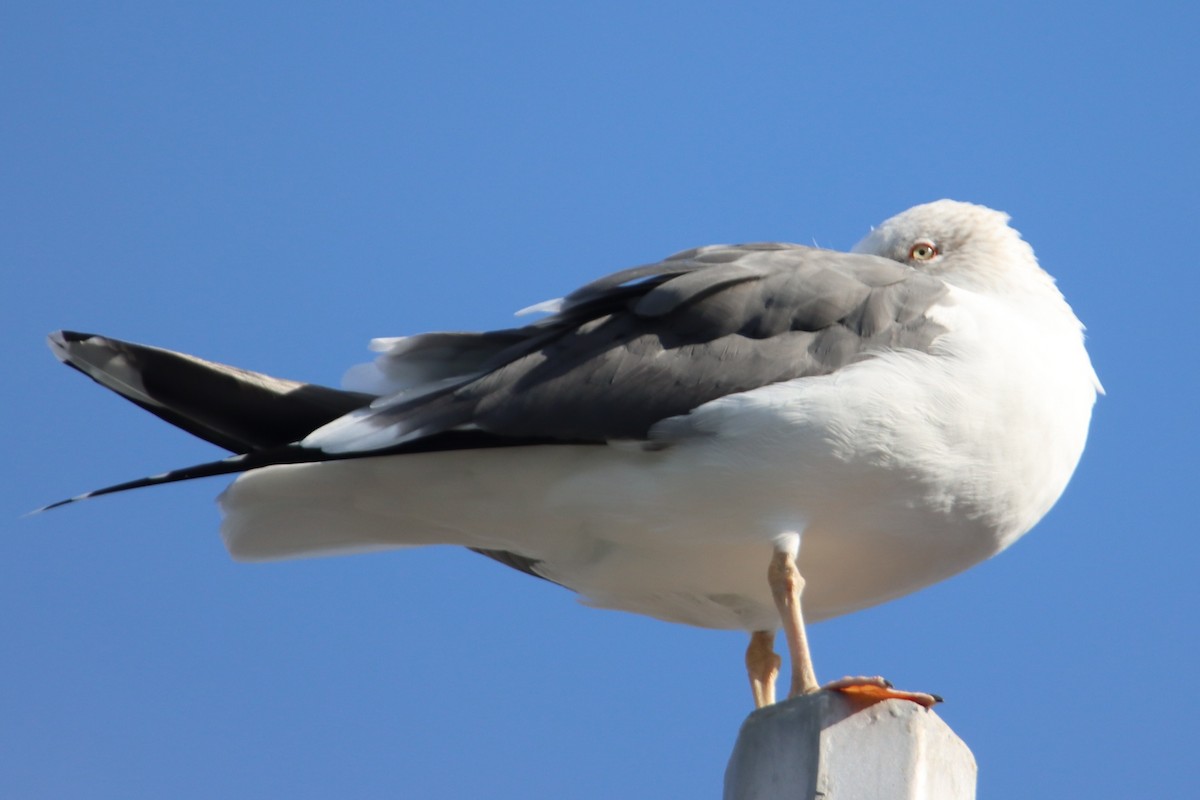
(740, 437)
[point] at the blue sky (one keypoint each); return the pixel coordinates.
(273, 184)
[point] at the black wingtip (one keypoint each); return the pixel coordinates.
(60, 338)
(37, 511)
(58, 504)
(72, 336)
(226, 466)
(289, 454)
(60, 343)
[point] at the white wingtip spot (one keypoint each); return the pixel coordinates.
(545, 307)
(386, 344)
(59, 346)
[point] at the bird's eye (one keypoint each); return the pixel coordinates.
(923, 251)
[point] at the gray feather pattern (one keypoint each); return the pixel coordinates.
(691, 286)
(656, 341)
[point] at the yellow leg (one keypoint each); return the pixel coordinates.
(787, 585)
(762, 664)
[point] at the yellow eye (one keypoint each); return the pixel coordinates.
(923, 251)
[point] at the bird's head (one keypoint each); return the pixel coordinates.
(967, 245)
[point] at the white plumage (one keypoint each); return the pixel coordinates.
(897, 470)
(937, 405)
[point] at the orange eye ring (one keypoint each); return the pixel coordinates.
(923, 251)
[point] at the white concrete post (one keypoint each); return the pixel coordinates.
(830, 746)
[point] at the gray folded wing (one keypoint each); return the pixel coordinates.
(649, 343)
(618, 356)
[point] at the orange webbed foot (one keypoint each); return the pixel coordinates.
(876, 688)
